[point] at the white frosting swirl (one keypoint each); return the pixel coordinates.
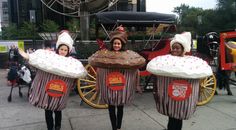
(53, 63)
(182, 67)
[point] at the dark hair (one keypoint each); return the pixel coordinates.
(123, 48)
(47, 43)
(57, 50)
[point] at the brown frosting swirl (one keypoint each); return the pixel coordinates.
(120, 60)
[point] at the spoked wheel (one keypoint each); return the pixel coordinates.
(207, 89)
(87, 89)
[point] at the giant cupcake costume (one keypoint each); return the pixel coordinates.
(177, 80)
(55, 76)
(117, 71)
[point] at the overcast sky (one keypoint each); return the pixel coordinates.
(167, 6)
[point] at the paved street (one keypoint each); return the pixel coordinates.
(219, 114)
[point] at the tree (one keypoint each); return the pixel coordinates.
(226, 14)
(217, 20)
(50, 26)
(73, 25)
(181, 10)
(188, 18)
(27, 31)
(10, 32)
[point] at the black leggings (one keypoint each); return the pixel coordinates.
(174, 124)
(116, 119)
(49, 119)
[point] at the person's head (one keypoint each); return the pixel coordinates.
(118, 39)
(64, 44)
(181, 44)
(47, 48)
(177, 49)
(63, 50)
(117, 45)
(47, 45)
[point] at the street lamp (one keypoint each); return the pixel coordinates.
(33, 20)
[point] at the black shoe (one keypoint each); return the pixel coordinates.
(58, 128)
(50, 128)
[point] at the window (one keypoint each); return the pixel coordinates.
(5, 12)
(4, 5)
(5, 19)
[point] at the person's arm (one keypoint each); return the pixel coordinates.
(23, 54)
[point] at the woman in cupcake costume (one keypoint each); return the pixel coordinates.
(117, 75)
(54, 79)
(176, 89)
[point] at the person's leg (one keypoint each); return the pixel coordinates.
(112, 114)
(58, 116)
(119, 115)
(49, 119)
(170, 125)
(179, 124)
(174, 124)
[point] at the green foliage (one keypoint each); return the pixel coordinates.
(50, 26)
(27, 31)
(188, 17)
(85, 50)
(226, 14)
(73, 25)
(10, 32)
(219, 19)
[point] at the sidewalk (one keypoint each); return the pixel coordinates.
(219, 114)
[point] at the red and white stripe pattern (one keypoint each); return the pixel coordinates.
(38, 96)
(117, 97)
(172, 108)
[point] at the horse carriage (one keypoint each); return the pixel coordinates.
(163, 24)
(218, 51)
(227, 57)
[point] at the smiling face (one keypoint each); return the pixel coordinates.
(63, 50)
(117, 45)
(177, 49)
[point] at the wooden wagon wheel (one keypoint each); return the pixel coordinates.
(207, 89)
(87, 89)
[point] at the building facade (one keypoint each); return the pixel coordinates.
(4, 14)
(18, 11)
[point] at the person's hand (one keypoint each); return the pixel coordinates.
(23, 54)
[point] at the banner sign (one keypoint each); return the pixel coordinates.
(115, 81)
(179, 90)
(56, 88)
(6, 45)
